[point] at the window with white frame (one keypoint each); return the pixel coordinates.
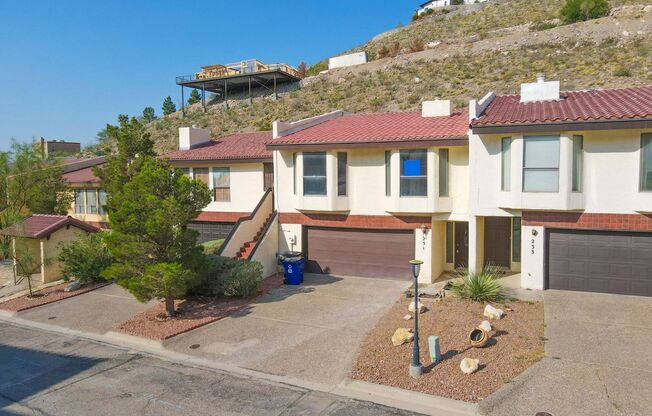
(314, 173)
(443, 172)
(80, 201)
(646, 162)
(541, 164)
(414, 169)
(221, 184)
(90, 201)
(388, 173)
(506, 163)
(578, 159)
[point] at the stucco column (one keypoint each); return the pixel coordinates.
(473, 244)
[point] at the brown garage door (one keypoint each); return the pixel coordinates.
(600, 261)
(368, 253)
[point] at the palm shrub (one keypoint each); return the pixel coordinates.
(480, 286)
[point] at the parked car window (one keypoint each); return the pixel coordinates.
(506, 163)
(578, 160)
(388, 173)
(222, 184)
(314, 173)
(443, 172)
(541, 164)
(91, 201)
(414, 180)
(646, 162)
(342, 161)
(80, 204)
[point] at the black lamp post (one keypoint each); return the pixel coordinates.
(416, 369)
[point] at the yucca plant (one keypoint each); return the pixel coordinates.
(481, 286)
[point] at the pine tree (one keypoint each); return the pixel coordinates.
(194, 97)
(168, 106)
(148, 115)
(301, 69)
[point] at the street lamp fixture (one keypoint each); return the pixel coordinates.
(416, 369)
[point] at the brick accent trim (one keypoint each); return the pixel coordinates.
(591, 221)
(406, 222)
(221, 216)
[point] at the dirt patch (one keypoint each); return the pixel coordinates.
(192, 313)
(47, 295)
(516, 343)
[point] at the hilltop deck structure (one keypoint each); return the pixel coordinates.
(239, 76)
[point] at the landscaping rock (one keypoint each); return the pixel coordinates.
(407, 317)
(402, 336)
(493, 313)
(485, 326)
(74, 285)
(422, 308)
(469, 365)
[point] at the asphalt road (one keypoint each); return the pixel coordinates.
(48, 374)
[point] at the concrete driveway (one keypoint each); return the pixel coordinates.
(311, 332)
(598, 360)
(97, 311)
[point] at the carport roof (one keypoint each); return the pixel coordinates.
(41, 225)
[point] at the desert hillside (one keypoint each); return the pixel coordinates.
(458, 55)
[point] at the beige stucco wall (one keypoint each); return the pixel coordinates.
(51, 249)
(267, 250)
(246, 181)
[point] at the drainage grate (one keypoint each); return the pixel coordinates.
(195, 346)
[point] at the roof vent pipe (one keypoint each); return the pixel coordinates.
(541, 77)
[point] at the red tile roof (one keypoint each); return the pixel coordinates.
(234, 147)
(40, 225)
(381, 128)
(632, 103)
(85, 175)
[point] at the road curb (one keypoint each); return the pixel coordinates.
(353, 389)
(405, 399)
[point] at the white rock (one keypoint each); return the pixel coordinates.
(434, 44)
(469, 365)
(485, 326)
(493, 313)
(417, 80)
(401, 336)
(625, 33)
(647, 8)
(407, 317)
(422, 308)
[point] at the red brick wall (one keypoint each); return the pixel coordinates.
(355, 221)
(624, 222)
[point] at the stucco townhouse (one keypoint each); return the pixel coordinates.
(561, 187)
(362, 194)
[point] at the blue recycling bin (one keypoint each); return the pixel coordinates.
(293, 263)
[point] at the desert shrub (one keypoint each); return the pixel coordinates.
(623, 72)
(581, 10)
(383, 52)
(479, 287)
(545, 25)
(416, 45)
(214, 271)
(244, 279)
(211, 247)
(317, 68)
(395, 49)
(85, 258)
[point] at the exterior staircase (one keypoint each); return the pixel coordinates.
(248, 247)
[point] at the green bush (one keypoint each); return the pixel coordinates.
(85, 258)
(582, 10)
(479, 287)
(211, 247)
(214, 271)
(244, 279)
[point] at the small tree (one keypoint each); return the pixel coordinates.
(85, 258)
(582, 10)
(168, 106)
(156, 254)
(148, 115)
(194, 98)
(26, 262)
(301, 69)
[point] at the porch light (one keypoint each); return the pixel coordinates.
(416, 369)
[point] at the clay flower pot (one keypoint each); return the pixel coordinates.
(478, 338)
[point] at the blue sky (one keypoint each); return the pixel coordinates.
(69, 67)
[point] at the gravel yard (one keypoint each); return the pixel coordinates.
(191, 314)
(516, 343)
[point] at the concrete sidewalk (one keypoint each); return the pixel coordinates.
(97, 311)
(598, 360)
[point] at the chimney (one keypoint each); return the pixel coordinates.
(436, 108)
(541, 90)
(190, 137)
